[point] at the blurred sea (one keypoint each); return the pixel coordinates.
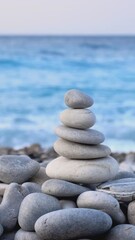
(35, 72)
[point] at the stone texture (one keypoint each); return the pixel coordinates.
(122, 189)
(32, 187)
(83, 171)
(61, 188)
(67, 204)
(121, 232)
(72, 224)
(9, 208)
(24, 235)
(1, 230)
(17, 169)
(77, 99)
(80, 151)
(3, 187)
(102, 201)
(40, 177)
(131, 212)
(124, 174)
(34, 206)
(8, 236)
(89, 136)
(78, 118)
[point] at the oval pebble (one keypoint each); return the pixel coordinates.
(80, 151)
(83, 171)
(88, 136)
(121, 232)
(78, 118)
(33, 206)
(77, 99)
(101, 201)
(72, 224)
(61, 188)
(15, 168)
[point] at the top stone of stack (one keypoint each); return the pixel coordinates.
(77, 100)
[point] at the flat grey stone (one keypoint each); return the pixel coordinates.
(80, 151)
(78, 118)
(61, 188)
(89, 136)
(77, 99)
(34, 206)
(14, 168)
(122, 189)
(24, 235)
(72, 224)
(67, 204)
(83, 171)
(121, 232)
(102, 201)
(9, 208)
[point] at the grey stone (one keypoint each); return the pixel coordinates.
(131, 212)
(32, 187)
(40, 177)
(72, 224)
(78, 118)
(122, 189)
(24, 235)
(83, 171)
(61, 188)
(102, 201)
(77, 99)
(8, 236)
(80, 151)
(121, 232)
(88, 136)
(14, 168)
(34, 206)
(124, 174)
(1, 230)
(67, 204)
(9, 208)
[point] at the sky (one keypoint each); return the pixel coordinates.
(74, 17)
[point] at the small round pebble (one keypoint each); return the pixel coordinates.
(33, 206)
(78, 118)
(77, 99)
(121, 232)
(72, 223)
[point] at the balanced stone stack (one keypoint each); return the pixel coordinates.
(83, 159)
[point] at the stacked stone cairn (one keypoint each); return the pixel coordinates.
(83, 197)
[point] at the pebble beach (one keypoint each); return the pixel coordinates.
(76, 189)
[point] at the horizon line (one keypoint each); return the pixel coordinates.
(66, 35)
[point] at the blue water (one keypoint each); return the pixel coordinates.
(35, 72)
